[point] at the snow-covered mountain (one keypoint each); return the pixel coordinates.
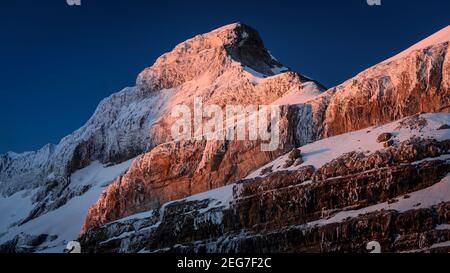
(416, 82)
(123, 164)
(229, 65)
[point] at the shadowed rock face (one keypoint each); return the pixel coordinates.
(293, 211)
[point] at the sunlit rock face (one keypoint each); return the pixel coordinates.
(228, 66)
(334, 201)
(211, 54)
(417, 80)
(180, 169)
(231, 66)
(414, 81)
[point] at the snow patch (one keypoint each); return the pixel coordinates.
(307, 91)
(66, 221)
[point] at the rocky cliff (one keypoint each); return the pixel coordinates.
(417, 80)
(238, 197)
(392, 189)
(229, 65)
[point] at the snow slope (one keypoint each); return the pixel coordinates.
(439, 37)
(306, 92)
(323, 151)
(66, 221)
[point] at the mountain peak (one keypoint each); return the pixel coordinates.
(230, 28)
(235, 34)
(212, 53)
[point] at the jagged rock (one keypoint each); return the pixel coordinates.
(444, 127)
(267, 170)
(298, 161)
(24, 243)
(229, 65)
(295, 154)
(388, 143)
(384, 137)
(415, 81)
(294, 157)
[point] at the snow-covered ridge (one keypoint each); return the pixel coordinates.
(117, 131)
(442, 36)
(305, 93)
(387, 69)
(415, 81)
(324, 151)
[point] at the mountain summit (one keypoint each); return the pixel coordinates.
(211, 52)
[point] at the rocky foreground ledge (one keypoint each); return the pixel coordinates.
(389, 183)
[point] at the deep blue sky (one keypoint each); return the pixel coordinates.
(57, 62)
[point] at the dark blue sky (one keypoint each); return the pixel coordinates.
(57, 62)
